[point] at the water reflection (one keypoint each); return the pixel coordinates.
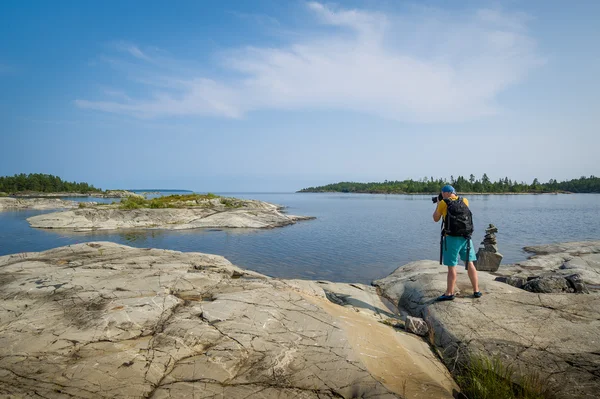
(139, 237)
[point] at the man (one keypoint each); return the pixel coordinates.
(455, 245)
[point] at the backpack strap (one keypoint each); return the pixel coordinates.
(469, 236)
(445, 220)
(468, 252)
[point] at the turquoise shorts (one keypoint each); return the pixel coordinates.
(455, 246)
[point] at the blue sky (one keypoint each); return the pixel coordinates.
(281, 95)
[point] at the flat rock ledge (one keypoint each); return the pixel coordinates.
(253, 214)
(102, 320)
(12, 204)
(555, 335)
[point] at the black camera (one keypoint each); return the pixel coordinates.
(437, 199)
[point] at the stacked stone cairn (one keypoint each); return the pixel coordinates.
(488, 257)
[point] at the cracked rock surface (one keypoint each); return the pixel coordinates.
(555, 335)
(254, 214)
(102, 320)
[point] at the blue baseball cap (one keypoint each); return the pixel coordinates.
(448, 189)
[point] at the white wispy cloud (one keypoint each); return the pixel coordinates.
(259, 19)
(133, 50)
(425, 66)
(116, 93)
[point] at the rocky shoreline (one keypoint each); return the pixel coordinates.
(106, 320)
(219, 212)
(9, 204)
(552, 332)
(44, 201)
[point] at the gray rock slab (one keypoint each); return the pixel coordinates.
(571, 248)
(102, 320)
(11, 204)
(116, 194)
(563, 259)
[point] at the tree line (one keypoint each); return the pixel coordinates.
(461, 184)
(42, 183)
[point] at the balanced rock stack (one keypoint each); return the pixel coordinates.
(488, 257)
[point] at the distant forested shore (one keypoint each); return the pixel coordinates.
(471, 185)
(42, 183)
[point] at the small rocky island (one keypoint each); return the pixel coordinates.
(44, 201)
(174, 212)
(94, 194)
(12, 204)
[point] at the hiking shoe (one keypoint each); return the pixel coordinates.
(445, 297)
(477, 294)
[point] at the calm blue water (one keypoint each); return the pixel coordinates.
(355, 238)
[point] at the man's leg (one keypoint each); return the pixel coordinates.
(468, 258)
(472, 272)
(451, 280)
(451, 255)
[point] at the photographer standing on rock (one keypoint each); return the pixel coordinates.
(456, 241)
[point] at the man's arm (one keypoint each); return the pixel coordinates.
(436, 215)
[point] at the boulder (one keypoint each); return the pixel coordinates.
(488, 261)
(549, 284)
(515, 281)
(577, 284)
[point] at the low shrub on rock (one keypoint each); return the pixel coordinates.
(490, 378)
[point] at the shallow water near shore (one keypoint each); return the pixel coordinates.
(355, 238)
